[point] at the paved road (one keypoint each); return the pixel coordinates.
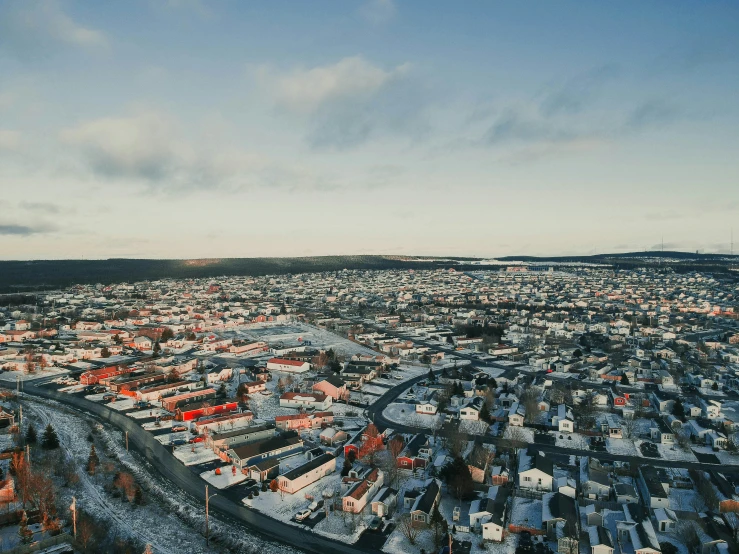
(173, 470)
(375, 413)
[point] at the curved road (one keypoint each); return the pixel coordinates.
(173, 470)
(375, 414)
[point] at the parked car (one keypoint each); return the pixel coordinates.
(316, 505)
(178, 428)
(302, 515)
(375, 524)
(199, 438)
(179, 442)
(109, 397)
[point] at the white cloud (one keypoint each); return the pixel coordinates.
(306, 90)
(378, 11)
(31, 25)
(9, 140)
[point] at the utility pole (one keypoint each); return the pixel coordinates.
(73, 507)
(126, 441)
(28, 455)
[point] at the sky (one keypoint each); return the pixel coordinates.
(236, 128)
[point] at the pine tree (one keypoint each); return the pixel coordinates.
(485, 413)
(50, 440)
(138, 496)
(31, 435)
(92, 461)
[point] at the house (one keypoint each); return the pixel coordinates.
(416, 453)
(662, 403)
(332, 386)
(332, 435)
(625, 493)
(535, 471)
(428, 406)
(316, 400)
(253, 386)
(302, 476)
(194, 410)
(612, 427)
(384, 502)
(287, 366)
(661, 432)
(362, 491)
(654, 487)
(558, 508)
(425, 502)
(637, 530)
(171, 403)
(488, 514)
(7, 418)
(601, 541)
(248, 454)
(516, 414)
(595, 482)
(264, 471)
(304, 420)
(563, 419)
(471, 411)
(223, 440)
(665, 519)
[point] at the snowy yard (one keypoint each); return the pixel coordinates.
(43, 373)
(675, 453)
(121, 405)
(149, 412)
(686, 500)
(406, 414)
(571, 440)
(623, 447)
(194, 454)
(168, 438)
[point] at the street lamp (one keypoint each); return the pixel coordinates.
(207, 528)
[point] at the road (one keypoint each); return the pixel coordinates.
(172, 469)
(375, 414)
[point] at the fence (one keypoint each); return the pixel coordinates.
(63, 538)
(602, 504)
(528, 493)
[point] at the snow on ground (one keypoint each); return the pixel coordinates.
(72, 389)
(169, 438)
(523, 432)
(571, 440)
(194, 454)
(398, 544)
(472, 427)
(675, 453)
(227, 478)
(153, 425)
(623, 447)
(406, 414)
(14, 376)
(122, 405)
(171, 521)
(686, 500)
(150, 412)
(371, 389)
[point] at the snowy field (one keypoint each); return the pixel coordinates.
(522, 432)
(194, 454)
(571, 440)
(291, 332)
(14, 376)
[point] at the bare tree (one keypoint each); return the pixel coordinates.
(409, 528)
(530, 401)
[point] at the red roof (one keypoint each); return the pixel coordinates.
(283, 361)
(314, 395)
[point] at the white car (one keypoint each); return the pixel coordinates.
(302, 515)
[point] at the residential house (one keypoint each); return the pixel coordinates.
(310, 472)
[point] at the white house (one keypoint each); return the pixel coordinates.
(535, 472)
(287, 366)
(305, 400)
(302, 476)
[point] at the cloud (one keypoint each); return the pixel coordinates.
(9, 229)
(306, 90)
(578, 92)
(346, 104)
(9, 140)
(651, 113)
(378, 11)
(151, 149)
(44, 207)
(31, 27)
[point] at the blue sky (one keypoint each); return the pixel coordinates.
(186, 128)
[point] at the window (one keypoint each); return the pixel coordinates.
(527, 479)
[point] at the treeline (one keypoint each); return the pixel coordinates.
(22, 276)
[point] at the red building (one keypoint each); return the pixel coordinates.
(96, 376)
(189, 412)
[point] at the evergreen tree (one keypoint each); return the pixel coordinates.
(485, 413)
(92, 461)
(439, 526)
(50, 440)
(625, 380)
(31, 437)
(138, 497)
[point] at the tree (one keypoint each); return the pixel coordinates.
(668, 548)
(678, 410)
(24, 532)
(105, 353)
(50, 440)
(125, 482)
(439, 526)
(459, 479)
(167, 334)
(157, 349)
(371, 445)
(31, 437)
(625, 380)
(485, 413)
(408, 528)
(138, 496)
(92, 461)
